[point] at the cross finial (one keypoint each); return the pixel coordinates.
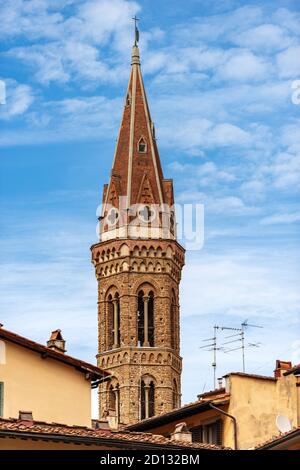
(136, 31)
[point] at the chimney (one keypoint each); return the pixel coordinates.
(26, 416)
(56, 342)
(181, 433)
(281, 367)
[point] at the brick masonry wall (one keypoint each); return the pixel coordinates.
(125, 267)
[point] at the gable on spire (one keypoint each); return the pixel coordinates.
(145, 195)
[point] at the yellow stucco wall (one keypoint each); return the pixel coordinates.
(53, 391)
(255, 403)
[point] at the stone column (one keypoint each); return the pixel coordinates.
(146, 322)
(147, 389)
(116, 324)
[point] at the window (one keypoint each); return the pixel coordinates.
(151, 319)
(113, 399)
(147, 398)
(110, 321)
(173, 321)
(142, 145)
(113, 318)
(175, 395)
(1, 398)
(210, 433)
(128, 100)
(145, 319)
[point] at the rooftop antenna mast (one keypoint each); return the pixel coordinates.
(213, 347)
(245, 325)
(241, 334)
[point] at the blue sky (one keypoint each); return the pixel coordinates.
(219, 81)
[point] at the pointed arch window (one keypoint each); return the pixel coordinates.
(147, 399)
(145, 319)
(175, 395)
(128, 99)
(173, 321)
(114, 400)
(142, 145)
(114, 324)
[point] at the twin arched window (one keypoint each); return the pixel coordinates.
(113, 321)
(145, 318)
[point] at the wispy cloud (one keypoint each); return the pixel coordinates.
(281, 219)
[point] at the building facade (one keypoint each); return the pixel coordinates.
(44, 381)
(241, 415)
(138, 264)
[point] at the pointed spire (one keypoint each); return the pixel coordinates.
(136, 171)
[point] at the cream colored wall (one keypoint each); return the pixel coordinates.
(53, 391)
(255, 403)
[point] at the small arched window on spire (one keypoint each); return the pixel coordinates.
(128, 99)
(142, 145)
(153, 130)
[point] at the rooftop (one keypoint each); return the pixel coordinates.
(253, 376)
(179, 413)
(84, 367)
(287, 436)
(77, 434)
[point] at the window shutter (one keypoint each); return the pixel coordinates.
(1, 398)
(197, 434)
(219, 432)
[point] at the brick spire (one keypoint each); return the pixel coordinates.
(136, 175)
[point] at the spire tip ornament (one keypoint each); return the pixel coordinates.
(136, 31)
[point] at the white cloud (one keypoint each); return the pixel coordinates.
(288, 62)
(69, 119)
(243, 65)
(263, 37)
(242, 283)
(19, 98)
(281, 219)
(190, 133)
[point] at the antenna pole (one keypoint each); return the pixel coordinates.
(214, 364)
(243, 347)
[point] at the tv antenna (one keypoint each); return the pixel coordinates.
(241, 338)
(213, 347)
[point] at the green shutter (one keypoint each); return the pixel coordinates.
(1, 398)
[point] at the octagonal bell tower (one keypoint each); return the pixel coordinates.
(138, 265)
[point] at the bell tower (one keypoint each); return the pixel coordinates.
(138, 265)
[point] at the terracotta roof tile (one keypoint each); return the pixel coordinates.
(254, 376)
(276, 439)
(47, 430)
(186, 410)
(83, 366)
